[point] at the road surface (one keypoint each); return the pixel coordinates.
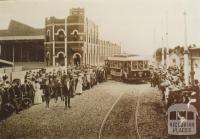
(109, 110)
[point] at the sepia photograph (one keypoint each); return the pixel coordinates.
(99, 69)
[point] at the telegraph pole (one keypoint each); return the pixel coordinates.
(66, 42)
(186, 61)
(167, 43)
(13, 54)
(163, 53)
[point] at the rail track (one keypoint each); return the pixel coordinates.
(135, 112)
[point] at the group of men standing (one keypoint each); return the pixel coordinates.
(44, 86)
(172, 86)
(68, 83)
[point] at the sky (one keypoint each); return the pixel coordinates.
(139, 25)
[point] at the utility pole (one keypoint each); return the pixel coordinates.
(13, 55)
(186, 61)
(53, 28)
(163, 53)
(66, 42)
(167, 43)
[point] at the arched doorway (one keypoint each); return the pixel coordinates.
(77, 59)
(60, 59)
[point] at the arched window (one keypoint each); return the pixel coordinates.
(48, 35)
(76, 35)
(61, 36)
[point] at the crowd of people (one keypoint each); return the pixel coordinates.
(45, 86)
(173, 88)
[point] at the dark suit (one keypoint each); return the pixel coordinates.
(66, 89)
(13, 98)
(47, 94)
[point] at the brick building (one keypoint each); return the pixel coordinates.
(75, 40)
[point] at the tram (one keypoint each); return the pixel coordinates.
(128, 67)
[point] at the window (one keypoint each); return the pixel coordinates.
(140, 65)
(145, 64)
(134, 64)
(119, 65)
(61, 36)
(75, 36)
(48, 36)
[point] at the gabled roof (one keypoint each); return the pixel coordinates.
(19, 29)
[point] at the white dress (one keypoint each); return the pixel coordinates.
(38, 94)
(79, 87)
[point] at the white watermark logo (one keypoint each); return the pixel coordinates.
(182, 119)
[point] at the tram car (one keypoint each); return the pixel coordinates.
(128, 67)
(182, 119)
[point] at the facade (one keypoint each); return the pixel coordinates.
(21, 43)
(175, 59)
(194, 63)
(74, 40)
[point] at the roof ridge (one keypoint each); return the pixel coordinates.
(12, 21)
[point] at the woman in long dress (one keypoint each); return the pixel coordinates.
(79, 87)
(38, 93)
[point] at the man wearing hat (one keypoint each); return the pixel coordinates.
(66, 89)
(13, 98)
(47, 92)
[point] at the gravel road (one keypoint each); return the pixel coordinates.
(88, 112)
(83, 120)
(129, 120)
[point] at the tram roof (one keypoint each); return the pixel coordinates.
(126, 58)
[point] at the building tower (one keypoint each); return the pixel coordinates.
(55, 41)
(76, 36)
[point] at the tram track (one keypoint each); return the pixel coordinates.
(106, 117)
(136, 118)
(133, 119)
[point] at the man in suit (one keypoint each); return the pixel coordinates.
(13, 97)
(66, 89)
(47, 93)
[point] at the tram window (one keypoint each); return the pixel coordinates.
(145, 64)
(115, 64)
(181, 114)
(129, 64)
(119, 64)
(190, 115)
(173, 115)
(118, 70)
(111, 64)
(134, 64)
(140, 64)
